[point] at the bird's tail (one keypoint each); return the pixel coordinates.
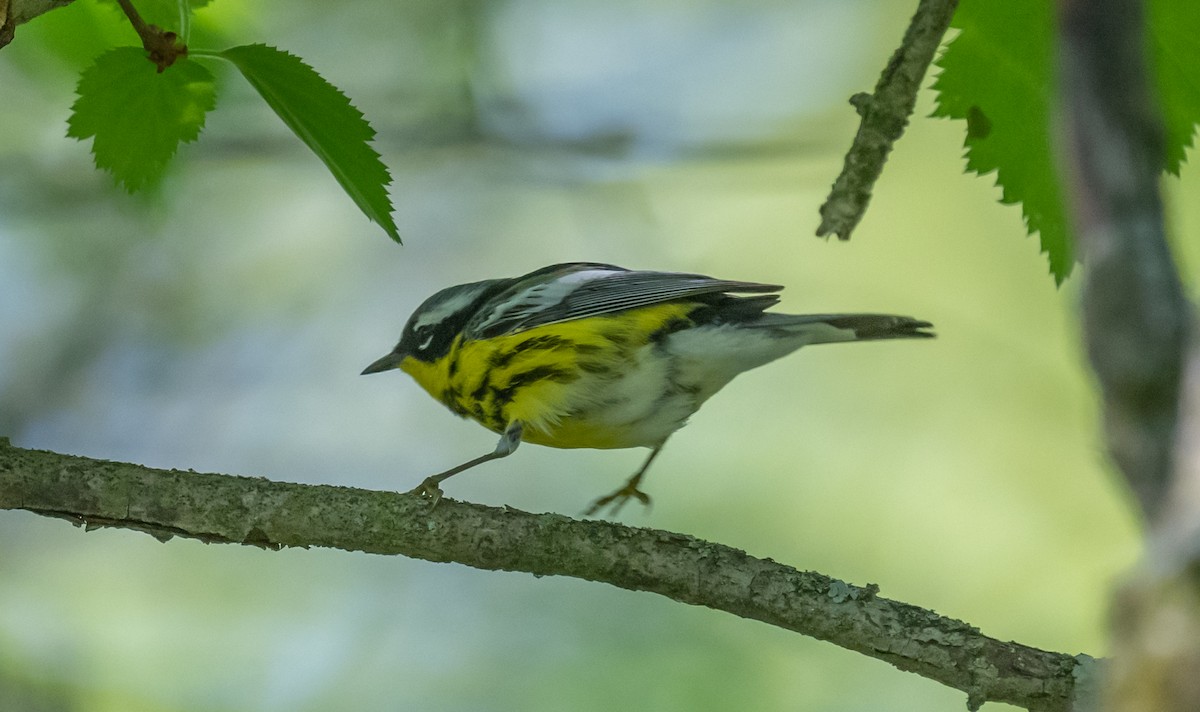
(831, 328)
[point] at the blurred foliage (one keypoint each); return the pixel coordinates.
(998, 73)
(220, 325)
(166, 14)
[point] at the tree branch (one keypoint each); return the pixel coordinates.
(1140, 336)
(884, 116)
(18, 12)
(256, 511)
(1135, 316)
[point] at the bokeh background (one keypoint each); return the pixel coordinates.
(220, 325)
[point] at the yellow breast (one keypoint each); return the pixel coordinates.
(565, 382)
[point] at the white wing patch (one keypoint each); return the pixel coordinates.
(537, 298)
(583, 290)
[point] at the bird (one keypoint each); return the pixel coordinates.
(592, 355)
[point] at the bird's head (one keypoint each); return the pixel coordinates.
(435, 324)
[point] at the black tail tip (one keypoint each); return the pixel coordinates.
(884, 326)
(916, 328)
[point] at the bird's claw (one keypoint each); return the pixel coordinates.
(429, 489)
(618, 499)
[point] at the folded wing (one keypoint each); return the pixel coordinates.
(580, 290)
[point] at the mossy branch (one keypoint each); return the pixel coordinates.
(245, 510)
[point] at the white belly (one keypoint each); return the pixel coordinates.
(655, 393)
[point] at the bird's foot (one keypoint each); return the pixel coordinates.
(618, 499)
(429, 489)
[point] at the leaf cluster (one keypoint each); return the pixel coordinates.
(997, 76)
(138, 114)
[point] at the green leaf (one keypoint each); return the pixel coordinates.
(136, 116)
(997, 76)
(321, 115)
(1175, 57)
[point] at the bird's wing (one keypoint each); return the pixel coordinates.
(579, 290)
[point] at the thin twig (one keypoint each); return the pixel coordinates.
(135, 19)
(884, 116)
(164, 46)
(255, 511)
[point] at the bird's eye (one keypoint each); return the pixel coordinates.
(425, 339)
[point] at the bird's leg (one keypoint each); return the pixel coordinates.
(509, 440)
(629, 489)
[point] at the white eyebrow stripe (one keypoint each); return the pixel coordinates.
(587, 275)
(441, 311)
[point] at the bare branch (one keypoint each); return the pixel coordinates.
(1139, 330)
(256, 511)
(1136, 318)
(884, 116)
(18, 12)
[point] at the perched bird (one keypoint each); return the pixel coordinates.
(593, 355)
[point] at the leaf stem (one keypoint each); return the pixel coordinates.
(164, 46)
(139, 25)
(185, 20)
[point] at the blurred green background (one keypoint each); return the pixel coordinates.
(220, 325)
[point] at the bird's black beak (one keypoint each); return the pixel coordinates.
(386, 363)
